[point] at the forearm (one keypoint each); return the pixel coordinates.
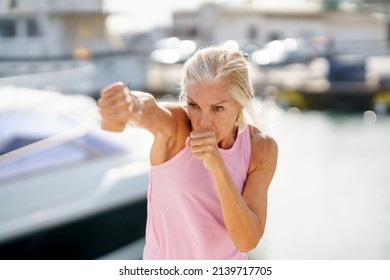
(143, 108)
(119, 106)
(241, 222)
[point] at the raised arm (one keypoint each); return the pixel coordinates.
(119, 106)
(167, 122)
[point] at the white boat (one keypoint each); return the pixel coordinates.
(68, 190)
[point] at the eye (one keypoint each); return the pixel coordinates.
(193, 106)
(218, 108)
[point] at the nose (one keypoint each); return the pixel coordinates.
(205, 121)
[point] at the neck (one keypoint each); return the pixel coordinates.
(229, 140)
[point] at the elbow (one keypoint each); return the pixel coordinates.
(249, 244)
(247, 240)
(246, 248)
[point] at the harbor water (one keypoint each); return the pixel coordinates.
(330, 197)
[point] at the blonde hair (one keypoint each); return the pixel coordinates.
(212, 64)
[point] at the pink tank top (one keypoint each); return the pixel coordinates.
(184, 213)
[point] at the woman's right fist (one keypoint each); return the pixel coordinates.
(116, 104)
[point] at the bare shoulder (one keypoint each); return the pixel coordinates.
(179, 116)
(264, 150)
(261, 140)
(177, 110)
(168, 119)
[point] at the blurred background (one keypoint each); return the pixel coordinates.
(321, 73)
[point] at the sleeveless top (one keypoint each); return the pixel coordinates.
(184, 219)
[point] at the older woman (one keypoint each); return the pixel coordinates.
(210, 170)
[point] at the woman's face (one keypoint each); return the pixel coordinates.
(211, 107)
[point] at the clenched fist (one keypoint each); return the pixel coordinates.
(119, 106)
(204, 147)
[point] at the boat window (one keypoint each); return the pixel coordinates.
(18, 142)
(32, 28)
(13, 3)
(78, 150)
(7, 28)
(26, 147)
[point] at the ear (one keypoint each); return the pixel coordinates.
(239, 117)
